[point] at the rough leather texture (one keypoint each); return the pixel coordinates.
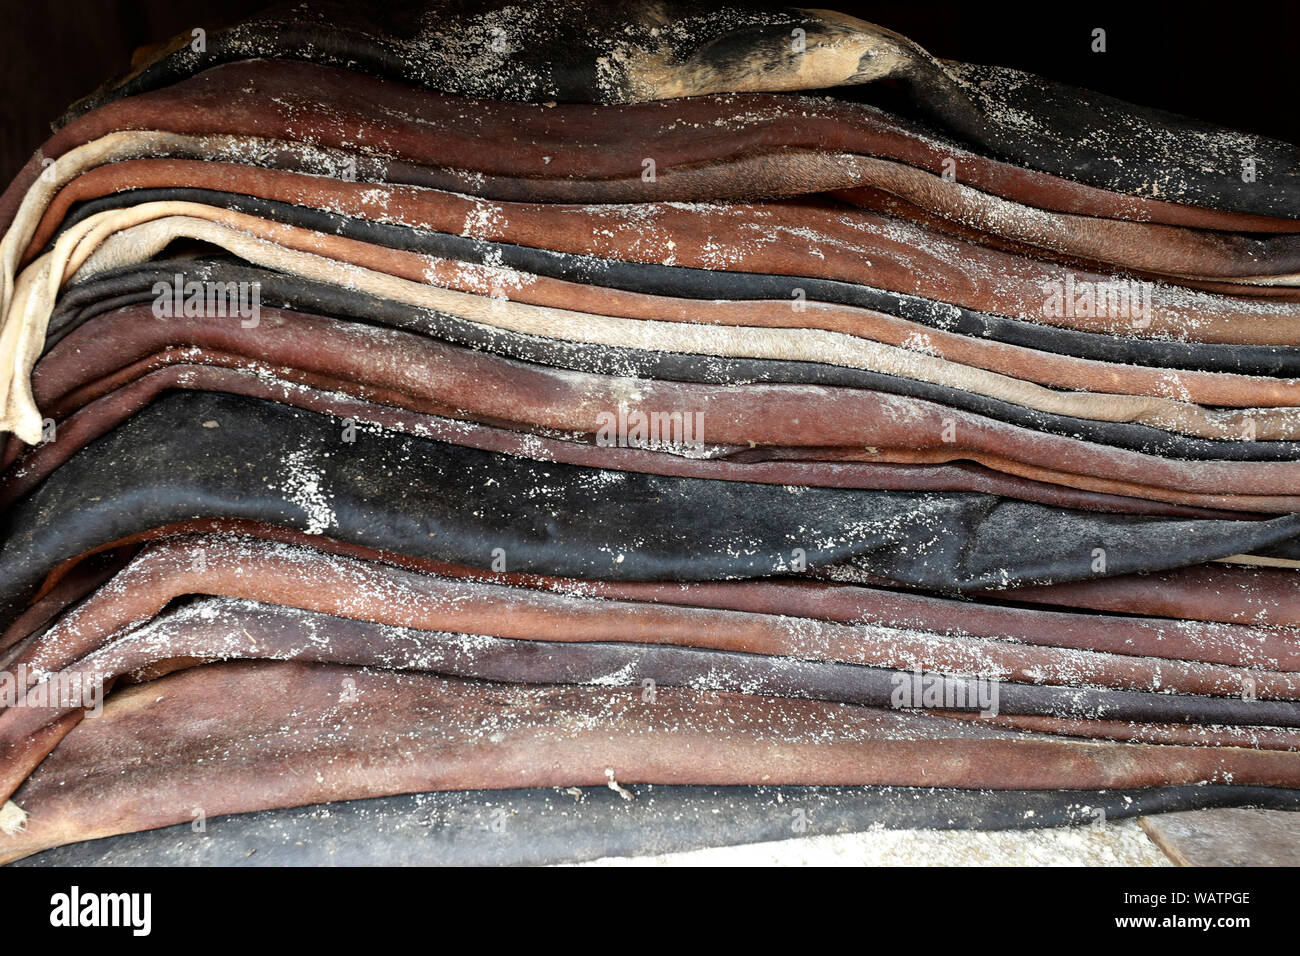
(170, 463)
(553, 52)
(363, 733)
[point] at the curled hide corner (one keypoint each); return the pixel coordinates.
(826, 50)
(13, 819)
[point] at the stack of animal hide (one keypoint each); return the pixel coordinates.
(550, 430)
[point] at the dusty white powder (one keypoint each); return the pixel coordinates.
(1119, 844)
(302, 483)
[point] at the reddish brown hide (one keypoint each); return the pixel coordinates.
(333, 107)
(230, 738)
(635, 232)
(423, 375)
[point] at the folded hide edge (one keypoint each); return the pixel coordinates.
(226, 738)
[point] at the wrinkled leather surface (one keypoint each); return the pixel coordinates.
(702, 284)
(274, 544)
(679, 366)
(627, 266)
(410, 495)
(134, 767)
(290, 356)
(238, 629)
(980, 104)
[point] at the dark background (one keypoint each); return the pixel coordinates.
(1235, 64)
